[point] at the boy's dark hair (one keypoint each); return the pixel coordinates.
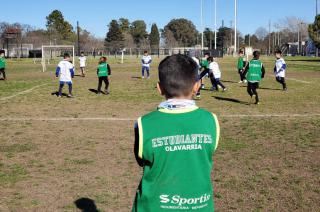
(241, 51)
(103, 60)
(256, 54)
(177, 75)
(82, 52)
(207, 54)
(145, 52)
(2, 51)
(210, 59)
(66, 55)
(278, 51)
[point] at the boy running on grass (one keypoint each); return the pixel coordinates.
(254, 73)
(280, 70)
(82, 61)
(146, 61)
(65, 72)
(103, 72)
(215, 70)
(241, 66)
(2, 65)
(176, 153)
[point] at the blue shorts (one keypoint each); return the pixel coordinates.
(64, 82)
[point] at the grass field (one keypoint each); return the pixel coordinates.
(54, 152)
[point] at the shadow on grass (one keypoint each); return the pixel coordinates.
(229, 81)
(230, 100)
(86, 205)
(79, 75)
(263, 88)
(56, 93)
(96, 91)
(134, 77)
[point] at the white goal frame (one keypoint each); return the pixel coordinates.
(58, 48)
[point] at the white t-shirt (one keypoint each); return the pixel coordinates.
(82, 60)
(146, 60)
(214, 68)
(65, 71)
(279, 70)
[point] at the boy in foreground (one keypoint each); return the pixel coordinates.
(176, 153)
(65, 72)
(254, 73)
(280, 70)
(2, 65)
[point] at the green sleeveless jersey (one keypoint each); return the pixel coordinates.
(240, 63)
(255, 71)
(177, 149)
(103, 70)
(2, 62)
(204, 63)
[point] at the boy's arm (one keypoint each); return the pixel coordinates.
(136, 145)
(72, 72)
(142, 61)
(109, 69)
(57, 71)
(263, 71)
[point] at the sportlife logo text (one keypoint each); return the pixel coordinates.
(181, 201)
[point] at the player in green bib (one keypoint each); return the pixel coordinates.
(254, 73)
(175, 153)
(2, 65)
(103, 72)
(241, 66)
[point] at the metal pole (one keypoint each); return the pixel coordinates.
(269, 49)
(249, 39)
(215, 24)
(78, 32)
(201, 24)
(298, 39)
(316, 7)
(235, 27)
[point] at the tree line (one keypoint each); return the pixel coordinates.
(122, 33)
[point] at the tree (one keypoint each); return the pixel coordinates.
(138, 31)
(57, 27)
(114, 40)
(261, 33)
(183, 30)
(154, 37)
(314, 31)
(124, 25)
(208, 38)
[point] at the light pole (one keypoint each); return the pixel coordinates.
(215, 24)
(201, 12)
(235, 27)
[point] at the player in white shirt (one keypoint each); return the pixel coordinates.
(65, 73)
(215, 70)
(280, 69)
(82, 61)
(146, 61)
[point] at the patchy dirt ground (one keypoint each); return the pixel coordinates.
(262, 163)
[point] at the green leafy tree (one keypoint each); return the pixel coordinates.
(124, 25)
(154, 37)
(208, 38)
(314, 31)
(58, 27)
(183, 30)
(138, 31)
(114, 40)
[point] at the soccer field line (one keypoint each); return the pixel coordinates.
(57, 119)
(22, 92)
(294, 79)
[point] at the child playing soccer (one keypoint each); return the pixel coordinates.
(254, 73)
(176, 153)
(65, 72)
(280, 69)
(82, 61)
(146, 61)
(103, 72)
(215, 70)
(2, 65)
(240, 66)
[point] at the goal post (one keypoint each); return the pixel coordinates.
(52, 52)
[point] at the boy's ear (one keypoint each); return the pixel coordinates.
(160, 90)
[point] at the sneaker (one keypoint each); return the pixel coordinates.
(69, 96)
(253, 97)
(59, 96)
(285, 89)
(240, 82)
(245, 81)
(225, 89)
(257, 103)
(106, 92)
(202, 86)
(212, 89)
(142, 77)
(198, 96)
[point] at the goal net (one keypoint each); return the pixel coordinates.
(53, 54)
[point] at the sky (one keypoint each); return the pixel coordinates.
(95, 15)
